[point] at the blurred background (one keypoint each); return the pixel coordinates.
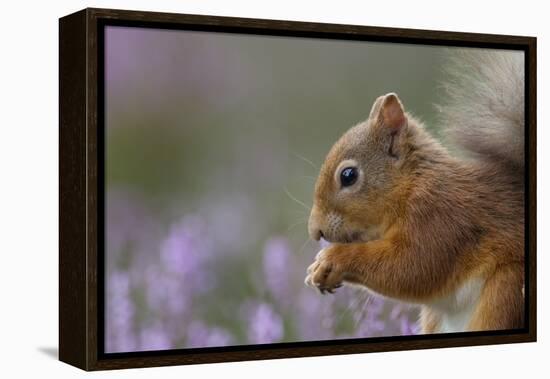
(213, 144)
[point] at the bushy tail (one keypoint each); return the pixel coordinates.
(484, 108)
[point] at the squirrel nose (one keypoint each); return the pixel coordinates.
(315, 231)
(316, 234)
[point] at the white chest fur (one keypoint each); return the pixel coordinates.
(456, 310)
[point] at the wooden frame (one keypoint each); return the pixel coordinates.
(80, 196)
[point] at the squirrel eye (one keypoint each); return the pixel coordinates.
(348, 176)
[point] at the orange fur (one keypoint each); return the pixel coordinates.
(421, 225)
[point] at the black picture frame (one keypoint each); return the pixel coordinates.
(81, 197)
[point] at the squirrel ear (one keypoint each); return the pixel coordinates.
(376, 107)
(391, 113)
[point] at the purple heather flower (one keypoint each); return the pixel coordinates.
(314, 315)
(200, 335)
(373, 323)
(119, 314)
(181, 250)
(406, 326)
(166, 292)
(155, 337)
(185, 253)
(277, 267)
(396, 311)
(265, 325)
(401, 314)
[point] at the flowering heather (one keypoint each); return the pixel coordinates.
(188, 287)
(200, 335)
(264, 324)
(277, 267)
(155, 337)
(120, 314)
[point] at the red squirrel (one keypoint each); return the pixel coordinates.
(408, 220)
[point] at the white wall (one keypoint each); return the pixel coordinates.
(28, 201)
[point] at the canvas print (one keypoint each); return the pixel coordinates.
(266, 189)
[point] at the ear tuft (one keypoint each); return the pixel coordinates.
(392, 114)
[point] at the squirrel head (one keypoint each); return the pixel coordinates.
(353, 189)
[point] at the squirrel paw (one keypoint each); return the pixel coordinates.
(324, 273)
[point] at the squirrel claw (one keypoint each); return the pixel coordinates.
(324, 273)
(324, 290)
